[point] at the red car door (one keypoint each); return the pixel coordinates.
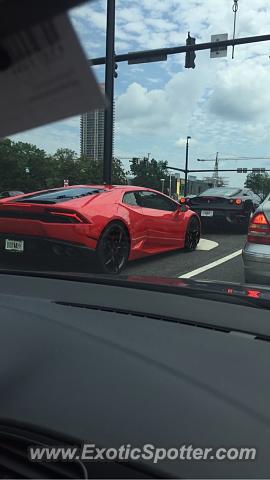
(132, 212)
(164, 222)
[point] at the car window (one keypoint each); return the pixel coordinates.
(156, 201)
(132, 198)
(226, 192)
(54, 196)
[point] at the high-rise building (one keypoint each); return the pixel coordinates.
(92, 133)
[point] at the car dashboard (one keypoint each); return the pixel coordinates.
(112, 365)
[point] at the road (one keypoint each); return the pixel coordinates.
(218, 257)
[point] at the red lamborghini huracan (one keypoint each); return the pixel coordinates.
(119, 223)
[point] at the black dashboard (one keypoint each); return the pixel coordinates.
(115, 365)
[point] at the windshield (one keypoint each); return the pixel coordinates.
(167, 177)
(226, 192)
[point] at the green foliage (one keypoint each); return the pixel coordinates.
(148, 173)
(258, 183)
(27, 168)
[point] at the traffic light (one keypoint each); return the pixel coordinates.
(115, 70)
(191, 55)
(258, 170)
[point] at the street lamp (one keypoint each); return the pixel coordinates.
(186, 168)
(162, 184)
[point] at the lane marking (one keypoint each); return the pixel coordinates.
(206, 245)
(211, 265)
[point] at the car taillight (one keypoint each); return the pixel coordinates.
(253, 293)
(67, 217)
(259, 229)
(238, 201)
(182, 200)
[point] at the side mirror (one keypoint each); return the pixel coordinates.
(183, 208)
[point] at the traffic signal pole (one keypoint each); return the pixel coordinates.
(109, 91)
(144, 56)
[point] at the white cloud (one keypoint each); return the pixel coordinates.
(182, 141)
(164, 111)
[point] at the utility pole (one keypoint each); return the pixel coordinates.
(109, 91)
(186, 169)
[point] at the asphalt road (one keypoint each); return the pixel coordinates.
(215, 247)
(218, 257)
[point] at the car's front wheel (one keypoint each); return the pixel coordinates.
(113, 248)
(192, 234)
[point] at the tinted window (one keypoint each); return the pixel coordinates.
(55, 196)
(223, 192)
(156, 201)
(131, 198)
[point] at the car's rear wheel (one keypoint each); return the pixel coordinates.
(193, 234)
(113, 248)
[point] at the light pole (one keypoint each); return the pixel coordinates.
(186, 168)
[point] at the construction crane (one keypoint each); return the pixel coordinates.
(215, 176)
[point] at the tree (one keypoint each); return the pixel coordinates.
(91, 171)
(258, 183)
(23, 166)
(27, 168)
(148, 173)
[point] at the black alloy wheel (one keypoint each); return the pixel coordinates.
(193, 234)
(113, 248)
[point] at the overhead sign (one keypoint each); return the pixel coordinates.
(218, 52)
(148, 59)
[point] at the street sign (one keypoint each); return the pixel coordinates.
(154, 58)
(218, 51)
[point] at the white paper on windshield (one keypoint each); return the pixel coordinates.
(49, 78)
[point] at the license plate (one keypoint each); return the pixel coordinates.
(14, 245)
(207, 213)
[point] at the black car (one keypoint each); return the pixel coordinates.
(227, 204)
(10, 193)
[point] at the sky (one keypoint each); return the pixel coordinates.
(223, 104)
